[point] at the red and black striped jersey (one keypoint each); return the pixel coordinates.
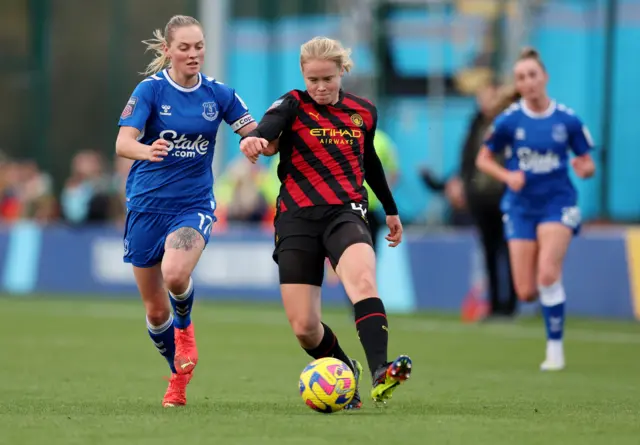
(326, 151)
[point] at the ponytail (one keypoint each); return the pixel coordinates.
(157, 45)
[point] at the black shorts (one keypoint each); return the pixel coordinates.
(305, 237)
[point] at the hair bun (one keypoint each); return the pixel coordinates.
(529, 52)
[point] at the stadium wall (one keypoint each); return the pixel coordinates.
(570, 35)
(429, 272)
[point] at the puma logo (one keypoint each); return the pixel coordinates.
(189, 363)
(316, 116)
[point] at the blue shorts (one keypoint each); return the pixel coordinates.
(146, 233)
(519, 226)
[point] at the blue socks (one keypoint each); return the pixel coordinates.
(163, 338)
(182, 305)
(552, 299)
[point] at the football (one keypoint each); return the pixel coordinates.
(327, 385)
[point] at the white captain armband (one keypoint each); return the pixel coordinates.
(243, 121)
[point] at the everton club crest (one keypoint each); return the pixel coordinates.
(210, 112)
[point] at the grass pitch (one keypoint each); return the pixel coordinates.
(84, 371)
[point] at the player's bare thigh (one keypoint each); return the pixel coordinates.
(553, 241)
(357, 271)
(523, 257)
(154, 297)
(183, 249)
(302, 305)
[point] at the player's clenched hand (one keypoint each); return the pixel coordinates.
(395, 230)
(252, 146)
(583, 166)
(272, 148)
(515, 180)
(158, 150)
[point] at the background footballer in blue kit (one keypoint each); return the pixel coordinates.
(538, 144)
(182, 183)
(540, 208)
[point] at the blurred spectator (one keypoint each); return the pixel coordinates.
(36, 193)
(25, 192)
(238, 194)
(452, 188)
(482, 195)
(10, 208)
(121, 167)
(85, 197)
(475, 198)
(117, 188)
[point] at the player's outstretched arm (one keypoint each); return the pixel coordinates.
(127, 146)
(270, 150)
(263, 139)
(277, 119)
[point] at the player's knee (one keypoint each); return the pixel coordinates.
(158, 315)
(547, 276)
(176, 279)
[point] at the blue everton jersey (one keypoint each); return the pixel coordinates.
(189, 119)
(539, 145)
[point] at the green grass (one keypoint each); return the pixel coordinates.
(85, 372)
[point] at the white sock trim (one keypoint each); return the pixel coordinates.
(552, 295)
(186, 293)
(163, 327)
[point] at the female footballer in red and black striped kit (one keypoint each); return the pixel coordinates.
(325, 139)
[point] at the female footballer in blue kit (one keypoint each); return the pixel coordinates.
(169, 128)
(540, 203)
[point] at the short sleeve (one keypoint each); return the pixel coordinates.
(234, 111)
(498, 136)
(579, 137)
(138, 108)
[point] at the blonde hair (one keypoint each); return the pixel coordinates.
(160, 41)
(505, 96)
(324, 48)
(530, 53)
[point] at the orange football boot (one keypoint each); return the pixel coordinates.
(186, 356)
(176, 394)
